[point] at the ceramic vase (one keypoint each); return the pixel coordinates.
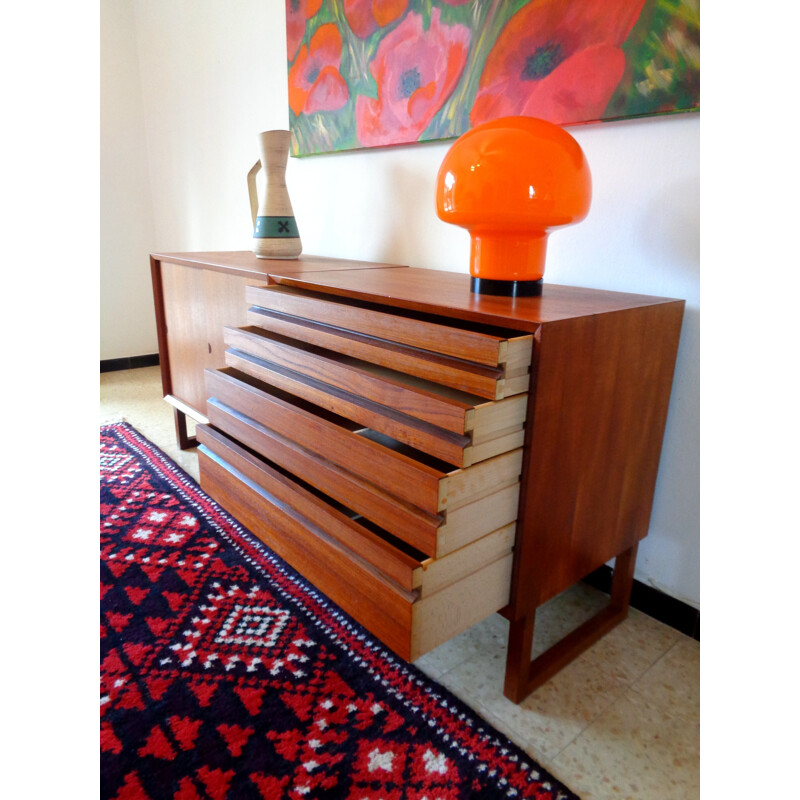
(509, 182)
(275, 233)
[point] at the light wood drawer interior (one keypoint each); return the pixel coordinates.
(410, 601)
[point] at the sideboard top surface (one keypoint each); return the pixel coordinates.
(436, 291)
(449, 293)
(247, 265)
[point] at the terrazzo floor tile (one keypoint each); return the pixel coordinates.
(550, 718)
(630, 649)
(563, 614)
(673, 682)
(636, 750)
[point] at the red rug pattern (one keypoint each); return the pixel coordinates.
(225, 675)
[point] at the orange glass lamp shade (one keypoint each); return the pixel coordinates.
(509, 182)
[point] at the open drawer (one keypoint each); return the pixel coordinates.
(427, 503)
(410, 601)
(488, 362)
(450, 425)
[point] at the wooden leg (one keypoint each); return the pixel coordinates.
(518, 658)
(622, 581)
(524, 675)
(185, 442)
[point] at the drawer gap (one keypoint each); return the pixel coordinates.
(407, 313)
(403, 449)
(405, 478)
(417, 429)
(388, 537)
(413, 382)
(287, 397)
(363, 492)
(386, 344)
(318, 555)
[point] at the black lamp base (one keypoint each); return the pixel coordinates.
(506, 288)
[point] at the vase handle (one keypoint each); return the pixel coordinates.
(251, 188)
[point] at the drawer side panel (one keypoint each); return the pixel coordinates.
(461, 605)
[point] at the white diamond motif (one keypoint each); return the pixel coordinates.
(258, 626)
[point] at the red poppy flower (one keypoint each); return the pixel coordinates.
(559, 61)
(315, 83)
(365, 16)
(298, 12)
(416, 71)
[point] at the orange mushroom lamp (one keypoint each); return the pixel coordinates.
(509, 182)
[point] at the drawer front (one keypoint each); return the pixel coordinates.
(428, 352)
(332, 438)
(459, 506)
(455, 427)
(347, 536)
(419, 399)
(446, 408)
(449, 447)
(448, 340)
(464, 376)
(415, 527)
(411, 603)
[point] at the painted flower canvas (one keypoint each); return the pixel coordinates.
(373, 73)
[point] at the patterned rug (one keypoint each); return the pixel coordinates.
(225, 675)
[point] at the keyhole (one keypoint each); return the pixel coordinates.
(209, 348)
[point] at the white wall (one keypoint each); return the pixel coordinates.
(214, 74)
(127, 324)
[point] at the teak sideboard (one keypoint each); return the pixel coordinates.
(425, 456)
